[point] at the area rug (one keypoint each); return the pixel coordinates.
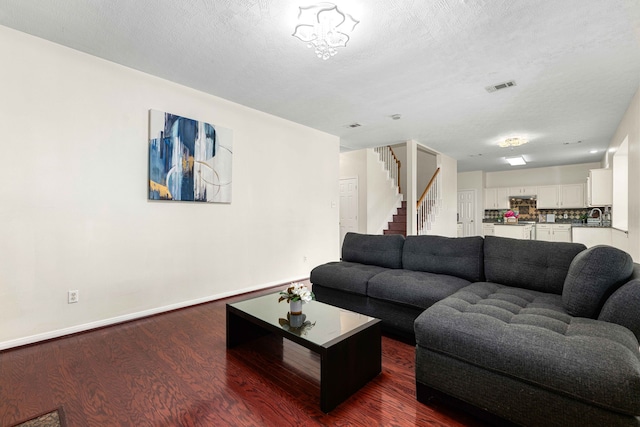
(53, 418)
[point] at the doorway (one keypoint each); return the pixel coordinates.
(466, 211)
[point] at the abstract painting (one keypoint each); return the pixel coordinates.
(188, 160)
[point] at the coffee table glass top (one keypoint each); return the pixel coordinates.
(319, 322)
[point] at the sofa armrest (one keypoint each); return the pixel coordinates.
(623, 307)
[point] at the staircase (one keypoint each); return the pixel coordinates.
(399, 223)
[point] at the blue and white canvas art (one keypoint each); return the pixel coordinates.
(188, 160)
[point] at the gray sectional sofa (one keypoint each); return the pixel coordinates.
(525, 332)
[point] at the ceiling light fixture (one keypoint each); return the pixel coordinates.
(512, 142)
(593, 151)
(325, 28)
(516, 161)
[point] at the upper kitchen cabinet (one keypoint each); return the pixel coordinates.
(561, 196)
(572, 196)
(496, 198)
(600, 187)
(548, 197)
(523, 191)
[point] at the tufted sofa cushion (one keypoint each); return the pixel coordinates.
(529, 264)
(528, 335)
(380, 250)
(593, 276)
(623, 307)
(456, 256)
(413, 288)
(346, 276)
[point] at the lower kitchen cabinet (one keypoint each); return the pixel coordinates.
(514, 231)
(591, 236)
(488, 230)
(553, 232)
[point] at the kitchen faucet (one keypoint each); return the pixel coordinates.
(599, 216)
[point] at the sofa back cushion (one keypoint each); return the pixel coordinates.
(380, 250)
(529, 264)
(593, 276)
(623, 307)
(456, 256)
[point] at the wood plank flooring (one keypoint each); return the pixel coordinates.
(173, 369)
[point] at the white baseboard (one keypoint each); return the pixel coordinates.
(18, 342)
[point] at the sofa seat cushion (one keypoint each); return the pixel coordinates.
(413, 288)
(528, 335)
(346, 276)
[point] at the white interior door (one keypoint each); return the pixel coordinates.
(348, 206)
(466, 211)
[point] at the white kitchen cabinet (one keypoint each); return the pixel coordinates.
(562, 233)
(513, 231)
(544, 232)
(600, 187)
(523, 191)
(490, 198)
(488, 229)
(561, 196)
(548, 197)
(553, 232)
(572, 196)
(496, 198)
(591, 236)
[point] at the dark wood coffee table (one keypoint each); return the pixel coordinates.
(349, 344)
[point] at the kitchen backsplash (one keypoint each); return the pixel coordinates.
(528, 212)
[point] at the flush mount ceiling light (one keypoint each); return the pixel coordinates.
(516, 161)
(512, 142)
(325, 28)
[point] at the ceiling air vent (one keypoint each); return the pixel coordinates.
(500, 86)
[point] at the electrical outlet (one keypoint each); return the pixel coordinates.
(74, 296)
(304, 258)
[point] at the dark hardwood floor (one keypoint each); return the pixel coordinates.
(173, 369)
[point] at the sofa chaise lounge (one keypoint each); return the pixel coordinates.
(527, 332)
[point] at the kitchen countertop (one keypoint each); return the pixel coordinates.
(572, 224)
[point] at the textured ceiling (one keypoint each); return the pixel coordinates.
(576, 64)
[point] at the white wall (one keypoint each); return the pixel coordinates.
(75, 215)
(427, 165)
(382, 195)
(555, 175)
(354, 164)
(446, 223)
(629, 128)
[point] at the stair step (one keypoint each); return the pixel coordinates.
(398, 226)
(395, 232)
(401, 211)
(400, 218)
